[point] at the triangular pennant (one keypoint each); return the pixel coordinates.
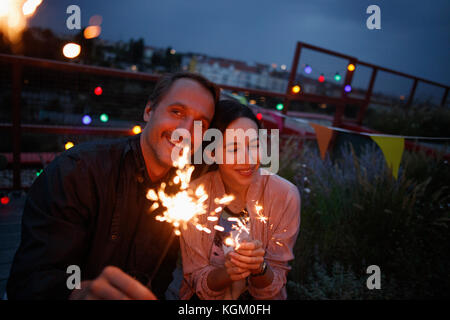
(392, 148)
(323, 135)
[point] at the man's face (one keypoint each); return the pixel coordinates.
(185, 102)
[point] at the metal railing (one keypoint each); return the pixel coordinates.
(18, 64)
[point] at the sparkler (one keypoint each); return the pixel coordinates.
(183, 207)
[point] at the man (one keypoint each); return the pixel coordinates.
(88, 208)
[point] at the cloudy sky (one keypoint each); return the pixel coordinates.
(414, 36)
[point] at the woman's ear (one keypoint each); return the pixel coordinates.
(147, 111)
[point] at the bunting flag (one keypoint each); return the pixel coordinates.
(323, 135)
(392, 148)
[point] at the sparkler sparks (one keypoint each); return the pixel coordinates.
(186, 205)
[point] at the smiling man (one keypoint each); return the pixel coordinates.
(88, 208)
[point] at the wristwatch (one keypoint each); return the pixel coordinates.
(263, 270)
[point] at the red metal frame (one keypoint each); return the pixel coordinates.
(19, 62)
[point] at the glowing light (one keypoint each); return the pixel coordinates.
(321, 78)
(92, 32)
(68, 145)
(337, 77)
(4, 200)
(98, 91)
(38, 173)
(186, 205)
(229, 242)
(252, 101)
(219, 228)
(213, 218)
(280, 106)
(296, 89)
(259, 116)
(351, 67)
(71, 50)
(104, 117)
(173, 51)
(348, 88)
(29, 7)
(13, 19)
(86, 119)
(137, 129)
(307, 69)
(283, 67)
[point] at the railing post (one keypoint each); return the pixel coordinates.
(16, 121)
(363, 108)
(411, 95)
(444, 97)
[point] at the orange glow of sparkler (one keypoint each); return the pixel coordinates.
(258, 209)
(186, 205)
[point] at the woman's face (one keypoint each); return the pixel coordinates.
(244, 153)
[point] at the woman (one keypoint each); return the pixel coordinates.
(226, 264)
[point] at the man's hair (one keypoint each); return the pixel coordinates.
(166, 81)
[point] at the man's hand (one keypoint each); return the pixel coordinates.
(112, 284)
(249, 256)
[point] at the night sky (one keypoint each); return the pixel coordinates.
(415, 35)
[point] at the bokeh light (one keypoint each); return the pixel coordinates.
(259, 116)
(321, 78)
(307, 69)
(351, 67)
(348, 88)
(280, 106)
(68, 145)
(98, 91)
(71, 50)
(296, 89)
(92, 32)
(4, 200)
(104, 117)
(86, 119)
(137, 129)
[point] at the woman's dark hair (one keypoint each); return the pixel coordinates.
(229, 110)
(166, 81)
(226, 112)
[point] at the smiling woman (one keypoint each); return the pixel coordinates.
(247, 254)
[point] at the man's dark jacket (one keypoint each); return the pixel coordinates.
(89, 208)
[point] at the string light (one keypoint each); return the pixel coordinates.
(104, 117)
(68, 145)
(348, 88)
(259, 116)
(321, 78)
(280, 106)
(98, 91)
(351, 67)
(337, 77)
(137, 129)
(307, 69)
(86, 119)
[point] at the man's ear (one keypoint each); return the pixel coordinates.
(147, 111)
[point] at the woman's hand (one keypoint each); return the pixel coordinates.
(249, 256)
(234, 271)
